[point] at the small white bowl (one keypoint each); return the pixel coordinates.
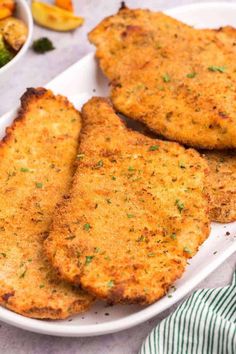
(23, 12)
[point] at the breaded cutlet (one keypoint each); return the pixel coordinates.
(36, 165)
(135, 214)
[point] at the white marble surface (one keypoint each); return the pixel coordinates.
(35, 70)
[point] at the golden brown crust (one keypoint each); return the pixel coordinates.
(36, 164)
(179, 81)
(221, 185)
(136, 211)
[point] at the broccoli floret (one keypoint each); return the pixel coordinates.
(5, 54)
(42, 45)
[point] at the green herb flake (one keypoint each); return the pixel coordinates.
(110, 284)
(131, 168)
(153, 148)
(130, 216)
(180, 205)
(99, 164)
(23, 274)
(88, 259)
(220, 69)
(108, 201)
(39, 185)
(173, 236)
(42, 45)
(166, 78)
(113, 178)
(151, 254)
(87, 227)
(80, 156)
(24, 169)
(182, 165)
(169, 295)
(187, 250)
(191, 75)
(141, 238)
(41, 286)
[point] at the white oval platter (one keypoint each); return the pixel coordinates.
(79, 83)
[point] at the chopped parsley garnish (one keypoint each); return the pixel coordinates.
(89, 259)
(110, 284)
(130, 216)
(173, 236)
(99, 164)
(191, 75)
(220, 69)
(42, 45)
(151, 254)
(131, 168)
(23, 274)
(41, 286)
(87, 227)
(182, 165)
(113, 178)
(179, 204)
(166, 78)
(39, 185)
(187, 250)
(141, 238)
(80, 156)
(153, 148)
(24, 169)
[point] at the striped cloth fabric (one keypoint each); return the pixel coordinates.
(203, 324)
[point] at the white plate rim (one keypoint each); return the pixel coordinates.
(141, 316)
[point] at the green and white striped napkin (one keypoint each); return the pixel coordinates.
(203, 324)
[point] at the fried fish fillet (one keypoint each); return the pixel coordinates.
(179, 81)
(221, 185)
(36, 164)
(136, 212)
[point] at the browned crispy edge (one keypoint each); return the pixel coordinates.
(46, 312)
(27, 98)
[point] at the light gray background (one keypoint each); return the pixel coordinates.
(37, 70)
